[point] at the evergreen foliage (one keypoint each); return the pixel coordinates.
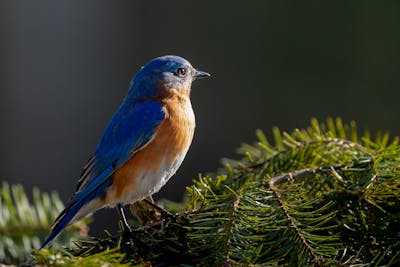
(24, 224)
(321, 196)
(62, 258)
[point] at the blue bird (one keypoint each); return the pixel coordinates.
(143, 145)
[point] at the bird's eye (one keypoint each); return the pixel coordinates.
(181, 72)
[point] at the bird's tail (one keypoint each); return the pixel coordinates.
(82, 204)
(63, 220)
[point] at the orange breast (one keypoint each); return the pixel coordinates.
(172, 139)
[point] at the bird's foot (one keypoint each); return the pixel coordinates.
(126, 229)
(165, 214)
(168, 216)
(127, 233)
(129, 237)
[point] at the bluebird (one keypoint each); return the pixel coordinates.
(143, 145)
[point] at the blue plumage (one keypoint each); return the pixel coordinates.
(131, 128)
(159, 71)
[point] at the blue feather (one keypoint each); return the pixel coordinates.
(131, 128)
(68, 213)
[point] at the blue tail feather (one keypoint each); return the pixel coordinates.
(63, 220)
(71, 210)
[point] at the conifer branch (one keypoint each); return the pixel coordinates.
(293, 225)
(24, 223)
(230, 226)
(290, 177)
(323, 195)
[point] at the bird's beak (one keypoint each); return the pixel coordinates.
(201, 74)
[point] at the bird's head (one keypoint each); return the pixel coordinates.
(163, 74)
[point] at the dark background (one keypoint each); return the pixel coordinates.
(65, 67)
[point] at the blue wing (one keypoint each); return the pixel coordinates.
(130, 129)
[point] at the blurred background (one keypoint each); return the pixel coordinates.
(65, 66)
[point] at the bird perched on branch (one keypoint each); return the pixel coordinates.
(143, 145)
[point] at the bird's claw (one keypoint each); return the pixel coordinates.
(167, 216)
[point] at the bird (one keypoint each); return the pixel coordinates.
(142, 146)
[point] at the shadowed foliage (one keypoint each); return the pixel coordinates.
(320, 196)
(24, 223)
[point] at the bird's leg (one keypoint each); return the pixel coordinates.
(121, 214)
(164, 212)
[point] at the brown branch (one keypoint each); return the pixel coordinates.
(294, 176)
(291, 176)
(235, 204)
(337, 141)
(315, 258)
(304, 173)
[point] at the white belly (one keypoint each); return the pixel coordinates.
(150, 183)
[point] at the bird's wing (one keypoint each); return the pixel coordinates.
(131, 128)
